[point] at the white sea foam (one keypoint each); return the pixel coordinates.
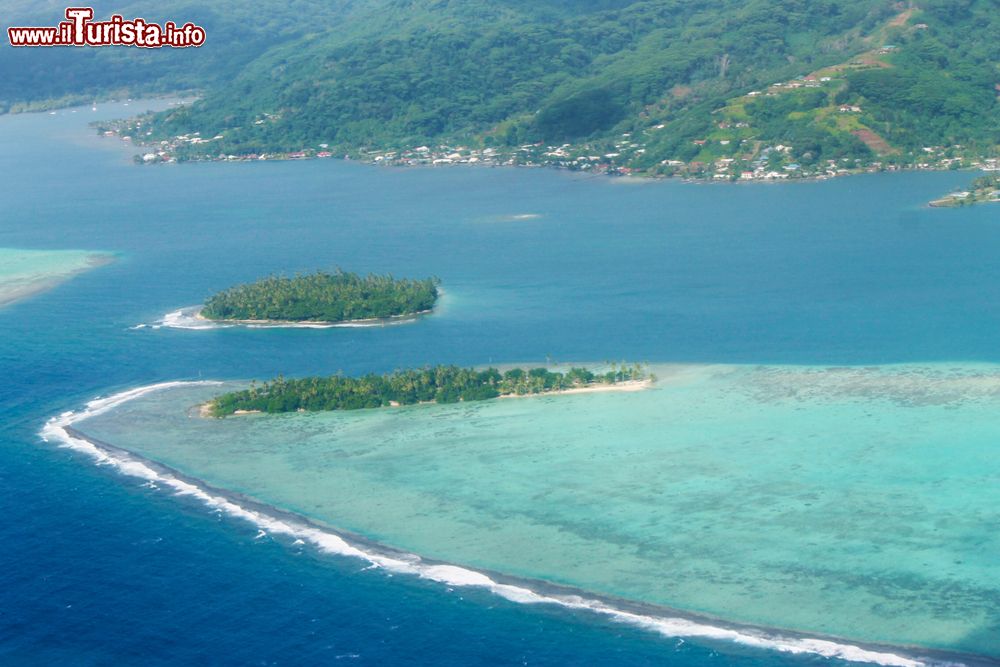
(187, 318)
(514, 217)
(57, 430)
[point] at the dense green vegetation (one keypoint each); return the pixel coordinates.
(928, 82)
(512, 72)
(989, 182)
(784, 119)
(440, 384)
(670, 75)
(238, 32)
(942, 86)
(981, 190)
(323, 297)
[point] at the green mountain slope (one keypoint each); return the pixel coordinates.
(693, 84)
(926, 92)
(419, 70)
(238, 33)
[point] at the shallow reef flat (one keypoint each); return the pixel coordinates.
(25, 273)
(855, 502)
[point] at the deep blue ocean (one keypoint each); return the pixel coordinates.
(96, 569)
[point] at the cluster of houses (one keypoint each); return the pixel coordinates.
(810, 81)
(989, 164)
(618, 157)
(165, 151)
(769, 163)
(565, 156)
(440, 155)
(984, 189)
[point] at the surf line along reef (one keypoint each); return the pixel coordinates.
(438, 384)
(322, 297)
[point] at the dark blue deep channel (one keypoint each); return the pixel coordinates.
(97, 569)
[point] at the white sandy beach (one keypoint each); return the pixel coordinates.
(371, 322)
(205, 409)
(631, 385)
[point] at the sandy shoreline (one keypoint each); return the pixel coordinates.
(205, 409)
(319, 323)
(630, 385)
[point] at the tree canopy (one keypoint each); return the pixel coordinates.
(438, 384)
(323, 297)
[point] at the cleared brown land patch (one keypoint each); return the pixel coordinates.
(872, 60)
(874, 141)
(901, 19)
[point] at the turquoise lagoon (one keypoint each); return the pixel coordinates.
(856, 502)
(24, 273)
(100, 568)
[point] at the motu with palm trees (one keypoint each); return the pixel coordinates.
(439, 384)
(323, 297)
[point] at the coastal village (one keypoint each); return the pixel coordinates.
(621, 158)
(730, 150)
(984, 189)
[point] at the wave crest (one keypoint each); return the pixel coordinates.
(187, 318)
(59, 430)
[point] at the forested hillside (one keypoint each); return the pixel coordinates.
(514, 72)
(660, 86)
(238, 33)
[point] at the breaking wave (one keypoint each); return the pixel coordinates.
(271, 521)
(187, 318)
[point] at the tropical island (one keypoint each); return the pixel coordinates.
(722, 90)
(438, 384)
(983, 189)
(323, 297)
